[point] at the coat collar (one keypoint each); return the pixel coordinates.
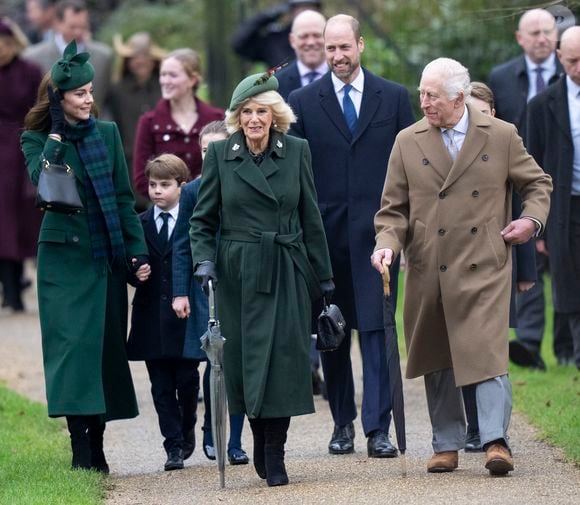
(151, 235)
(163, 122)
(430, 142)
(256, 176)
(557, 98)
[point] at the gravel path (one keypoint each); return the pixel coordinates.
(136, 456)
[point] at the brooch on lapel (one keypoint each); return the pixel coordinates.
(235, 147)
(279, 144)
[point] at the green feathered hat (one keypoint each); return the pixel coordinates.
(251, 86)
(72, 70)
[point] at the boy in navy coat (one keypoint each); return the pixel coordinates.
(157, 335)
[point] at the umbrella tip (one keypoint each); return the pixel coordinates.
(403, 464)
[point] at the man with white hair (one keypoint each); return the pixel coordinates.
(447, 203)
(554, 141)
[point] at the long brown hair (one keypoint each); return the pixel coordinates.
(38, 118)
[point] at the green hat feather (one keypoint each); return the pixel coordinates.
(72, 70)
(252, 86)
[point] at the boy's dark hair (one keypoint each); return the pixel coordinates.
(167, 166)
(214, 128)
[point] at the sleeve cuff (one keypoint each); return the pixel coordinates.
(539, 226)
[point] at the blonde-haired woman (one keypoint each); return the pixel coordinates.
(174, 125)
(270, 259)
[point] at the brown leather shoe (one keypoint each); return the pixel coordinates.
(443, 462)
(498, 460)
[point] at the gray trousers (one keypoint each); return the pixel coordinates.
(447, 413)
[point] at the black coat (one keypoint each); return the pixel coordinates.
(156, 332)
(549, 141)
(288, 80)
(349, 173)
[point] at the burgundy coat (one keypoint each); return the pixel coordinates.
(19, 219)
(158, 133)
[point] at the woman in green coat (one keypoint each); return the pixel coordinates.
(83, 260)
(271, 260)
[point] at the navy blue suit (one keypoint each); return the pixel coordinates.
(288, 80)
(349, 173)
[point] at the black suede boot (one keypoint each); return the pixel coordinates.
(275, 432)
(78, 427)
(257, 426)
(96, 431)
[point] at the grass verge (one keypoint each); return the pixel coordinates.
(35, 458)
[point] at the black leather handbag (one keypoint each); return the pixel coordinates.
(331, 326)
(57, 189)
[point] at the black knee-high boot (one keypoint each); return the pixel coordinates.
(78, 427)
(96, 432)
(257, 427)
(275, 432)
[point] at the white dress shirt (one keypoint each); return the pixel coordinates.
(170, 222)
(355, 93)
(460, 131)
(548, 70)
(303, 70)
(574, 113)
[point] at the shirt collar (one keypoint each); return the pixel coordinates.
(174, 212)
(357, 84)
(573, 88)
(549, 64)
(462, 125)
(303, 69)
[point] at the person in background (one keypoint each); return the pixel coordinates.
(190, 302)
(40, 17)
(73, 23)
(307, 40)
(174, 124)
(263, 38)
(84, 260)
(514, 83)
(446, 202)
(135, 88)
(523, 273)
(157, 335)
(19, 220)
(257, 231)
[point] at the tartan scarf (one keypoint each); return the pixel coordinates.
(104, 224)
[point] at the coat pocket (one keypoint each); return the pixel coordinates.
(57, 236)
(415, 250)
(499, 247)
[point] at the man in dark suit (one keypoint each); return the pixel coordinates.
(307, 40)
(553, 139)
(350, 118)
(514, 83)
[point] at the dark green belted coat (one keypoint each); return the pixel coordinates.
(271, 256)
(83, 311)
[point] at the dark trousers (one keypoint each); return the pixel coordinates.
(337, 367)
(531, 317)
(174, 387)
(11, 279)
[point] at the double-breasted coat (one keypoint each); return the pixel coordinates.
(447, 216)
(271, 256)
(83, 310)
(550, 142)
(158, 133)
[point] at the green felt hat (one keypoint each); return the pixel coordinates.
(72, 70)
(252, 86)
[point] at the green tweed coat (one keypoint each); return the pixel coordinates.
(83, 311)
(270, 258)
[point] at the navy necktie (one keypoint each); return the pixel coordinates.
(540, 83)
(311, 76)
(164, 230)
(348, 109)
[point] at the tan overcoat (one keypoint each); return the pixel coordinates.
(447, 217)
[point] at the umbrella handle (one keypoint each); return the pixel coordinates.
(211, 302)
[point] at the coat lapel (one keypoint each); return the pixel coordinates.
(371, 99)
(476, 138)
(329, 104)
(150, 230)
(431, 144)
(558, 105)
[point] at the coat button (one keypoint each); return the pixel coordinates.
(75, 238)
(442, 195)
(425, 161)
(188, 155)
(485, 157)
(474, 230)
(441, 231)
(475, 194)
(166, 137)
(164, 297)
(186, 140)
(443, 268)
(473, 267)
(156, 127)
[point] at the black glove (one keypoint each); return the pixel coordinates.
(56, 112)
(137, 261)
(205, 272)
(327, 288)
